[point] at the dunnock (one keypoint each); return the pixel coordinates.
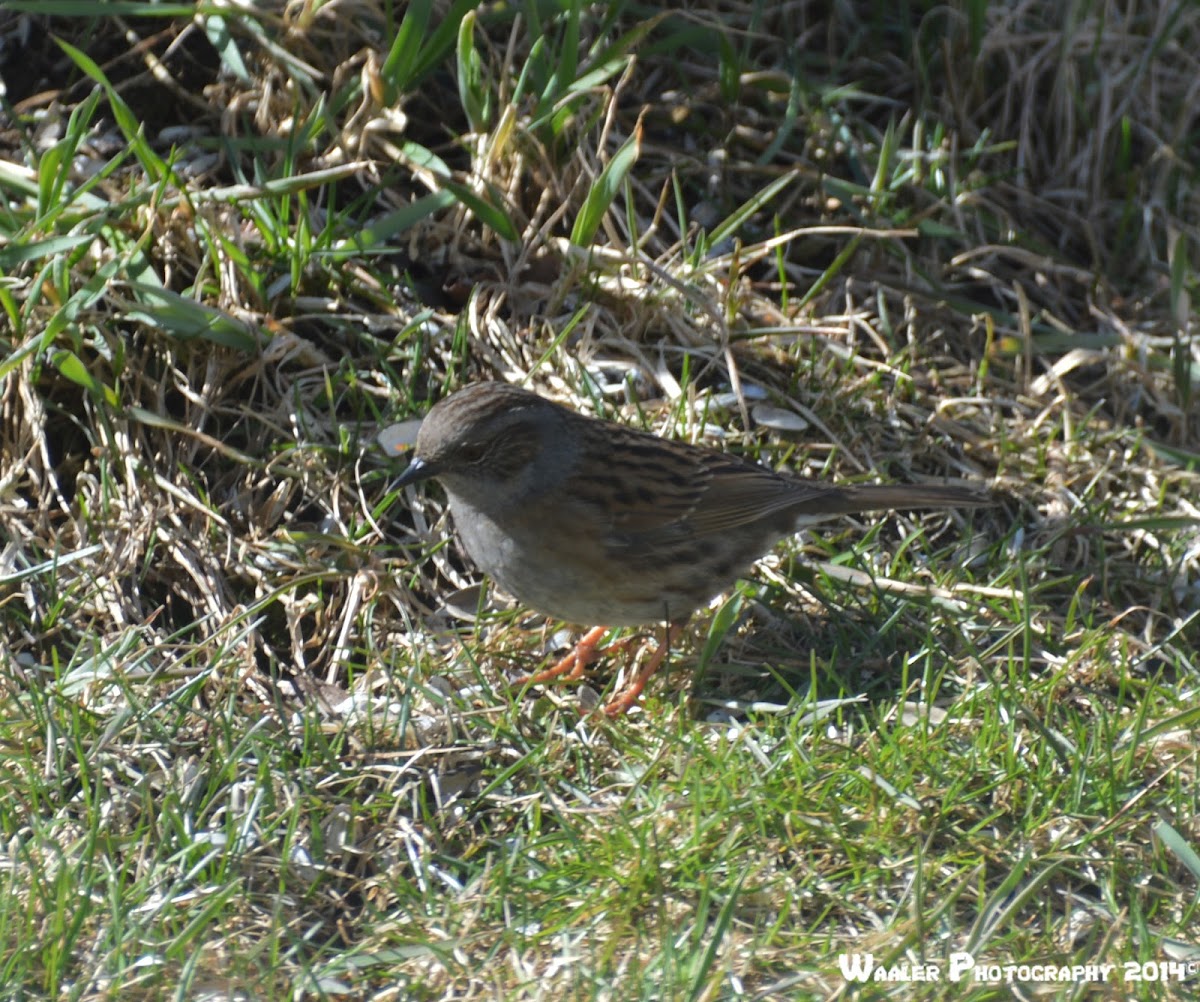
(591, 522)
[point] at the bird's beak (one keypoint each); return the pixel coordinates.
(397, 439)
(417, 471)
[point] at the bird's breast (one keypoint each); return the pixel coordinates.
(556, 567)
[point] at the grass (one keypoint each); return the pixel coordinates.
(261, 738)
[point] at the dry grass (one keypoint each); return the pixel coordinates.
(260, 740)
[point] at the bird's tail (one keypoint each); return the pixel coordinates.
(849, 499)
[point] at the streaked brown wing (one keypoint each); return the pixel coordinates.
(738, 493)
(648, 486)
(653, 486)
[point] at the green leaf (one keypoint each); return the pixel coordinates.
(401, 62)
(729, 70)
(68, 363)
(183, 318)
(425, 158)
(1178, 846)
(604, 191)
(471, 91)
(487, 213)
(112, 8)
(830, 273)
(568, 58)
(1172, 453)
(126, 120)
(414, 53)
(216, 29)
(375, 236)
(734, 221)
(94, 289)
(35, 250)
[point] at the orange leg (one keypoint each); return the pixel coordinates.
(574, 663)
(623, 700)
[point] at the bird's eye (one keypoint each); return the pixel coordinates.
(472, 452)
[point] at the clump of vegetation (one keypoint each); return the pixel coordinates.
(260, 737)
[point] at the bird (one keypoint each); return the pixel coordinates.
(592, 522)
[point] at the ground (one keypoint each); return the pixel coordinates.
(261, 736)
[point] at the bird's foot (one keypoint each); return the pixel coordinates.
(625, 698)
(572, 666)
(588, 649)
